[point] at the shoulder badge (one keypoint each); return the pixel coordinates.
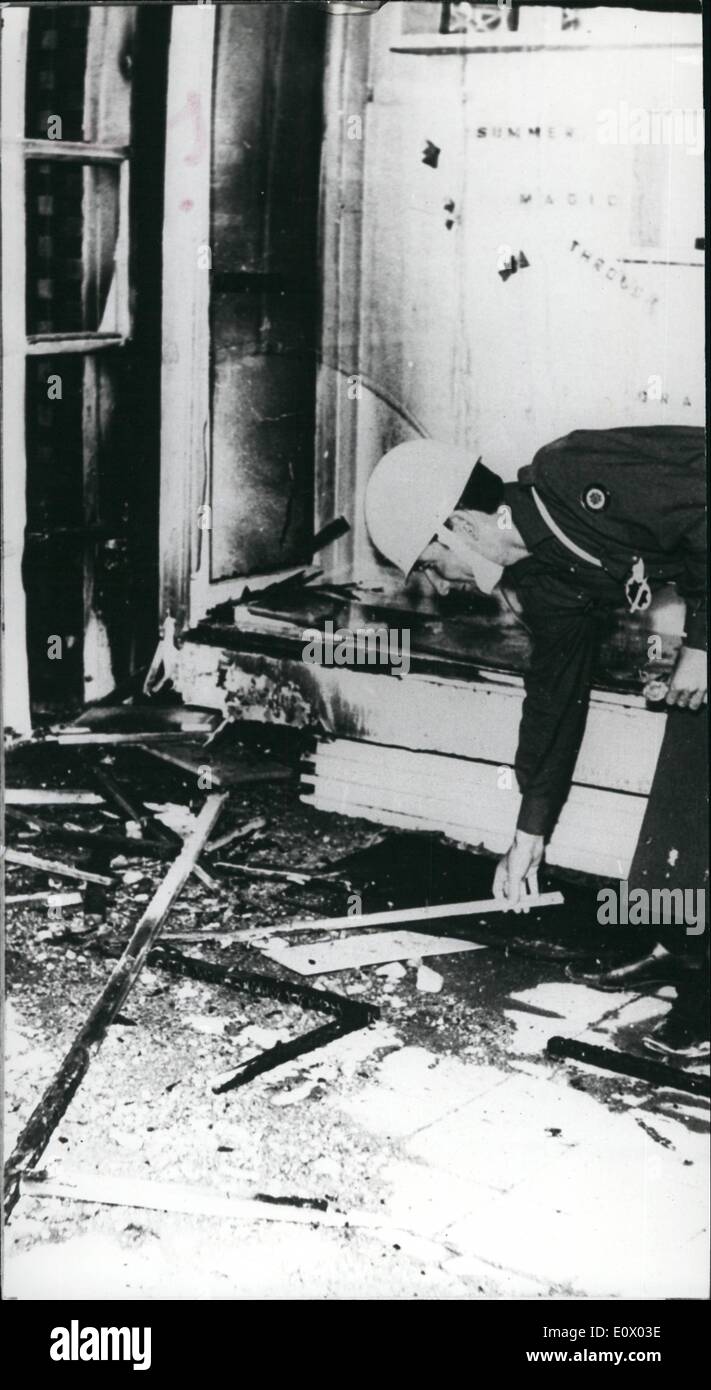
(595, 498)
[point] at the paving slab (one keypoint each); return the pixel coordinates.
(602, 1249)
(414, 1087)
(424, 1199)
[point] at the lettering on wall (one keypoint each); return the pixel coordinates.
(531, 132)
(608, 200)
(611, 272)
(648, 397)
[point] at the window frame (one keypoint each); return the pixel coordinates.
(87, 153)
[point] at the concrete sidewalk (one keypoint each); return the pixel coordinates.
(526, 1173)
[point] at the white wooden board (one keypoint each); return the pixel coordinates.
(356, 951)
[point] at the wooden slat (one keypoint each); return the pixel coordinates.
(425, 776)
(569, 847)
(435, 912)
(600, 824)
(74, 150)
(54, 866)
(44, 796)
(51, 897)
(89, 738)
(60, 344)
(619, 751)
(611, 819)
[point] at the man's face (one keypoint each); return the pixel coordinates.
(444, 570)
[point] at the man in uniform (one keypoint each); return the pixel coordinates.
(598, 517)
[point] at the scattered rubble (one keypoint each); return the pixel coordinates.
(178, 1127)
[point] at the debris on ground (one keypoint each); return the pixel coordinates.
(428, 981)
(364, 1131)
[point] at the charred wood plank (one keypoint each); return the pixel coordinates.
(238, 833)
(350, 1014)
(297, 876)
(113, 792)
(63, 1086)
(643, 1068)
(287, 1052)
(87, 738)
(323, 1001)
(119, 844)
(54, 866)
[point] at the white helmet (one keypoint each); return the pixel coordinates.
(410, 493)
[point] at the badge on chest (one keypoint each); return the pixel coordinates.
(595, 498)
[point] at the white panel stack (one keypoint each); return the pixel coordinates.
(469, 801)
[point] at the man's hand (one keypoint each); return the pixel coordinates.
(689, 682)
(520, 863)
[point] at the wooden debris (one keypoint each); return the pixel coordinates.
(149, 1195)
(118, 844)
(122, 723)
(280, 875)
(146, 715)
(113, 792)
(191, 938)
(643, 1068)
(138, 814)
(329, 533)
(53, 866)
(357, 951)
(186, 762)
(50, 897)
(283, 1052)
(146, 820)
(196, 938)
(205, 878)
(228, 1204)
(44, 796)
(350, 1014)
(79, 738)
(63, 1086)
(435, 913)
(230, 765)
(239, 833)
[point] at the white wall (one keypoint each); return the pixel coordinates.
(583, 336)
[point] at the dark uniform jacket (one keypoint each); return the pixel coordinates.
(622, 495)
